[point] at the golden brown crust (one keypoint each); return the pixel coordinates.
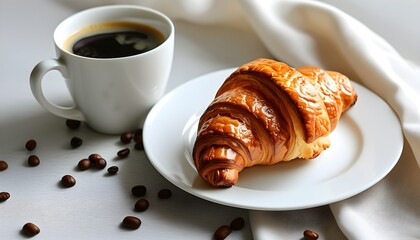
(293, 86)
(266, 112)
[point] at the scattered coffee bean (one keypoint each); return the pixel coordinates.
(3, 165)
(164, 193)
(138, 135)
(68, 181)
(84, 164)
(126, 137)
(76, 142)
(4, 196)
(113, 170)
(139, 146)
(237, 223)
(73, 124)
(30, 229)
(141, 205)
(30, 145)
(139, 190)
(222, 232)
(310, 235)
(33, 160)
(131, 222)
(123, 153)
(100, 163)
(94, 156)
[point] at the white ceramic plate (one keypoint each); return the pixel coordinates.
(364, 147)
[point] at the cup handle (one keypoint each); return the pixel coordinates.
(36, 77)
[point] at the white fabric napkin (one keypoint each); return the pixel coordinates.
(304, 32)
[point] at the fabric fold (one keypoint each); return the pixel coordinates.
(389, 210)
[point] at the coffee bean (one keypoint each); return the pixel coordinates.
(138, 135)
(310, 235)
(131, 222)
(141, 205)
(33, 160)
(113, 170)
(4, 196)
(30, 145)
(84, 164)
(222, 232)
(94, 156)
(68, 181)
(100, 163)
(237, 223)
(123, 153)
(76, 142)
(164, 193)
(139, 146)
(73, 124)
(126, 137)
(3, 165)
(139, 190)
(30, 229)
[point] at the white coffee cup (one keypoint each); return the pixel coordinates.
(112, 95)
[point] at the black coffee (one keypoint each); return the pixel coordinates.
(116, 39)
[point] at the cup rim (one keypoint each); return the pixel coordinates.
(69, 19)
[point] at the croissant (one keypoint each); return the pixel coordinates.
(267, 112)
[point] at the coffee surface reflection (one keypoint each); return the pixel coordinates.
(115, 40)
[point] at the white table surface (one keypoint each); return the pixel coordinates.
(95, 207)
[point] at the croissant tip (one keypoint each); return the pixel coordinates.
(225, 184)
(222, 178)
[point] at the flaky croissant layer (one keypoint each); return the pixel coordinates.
(266, 112)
